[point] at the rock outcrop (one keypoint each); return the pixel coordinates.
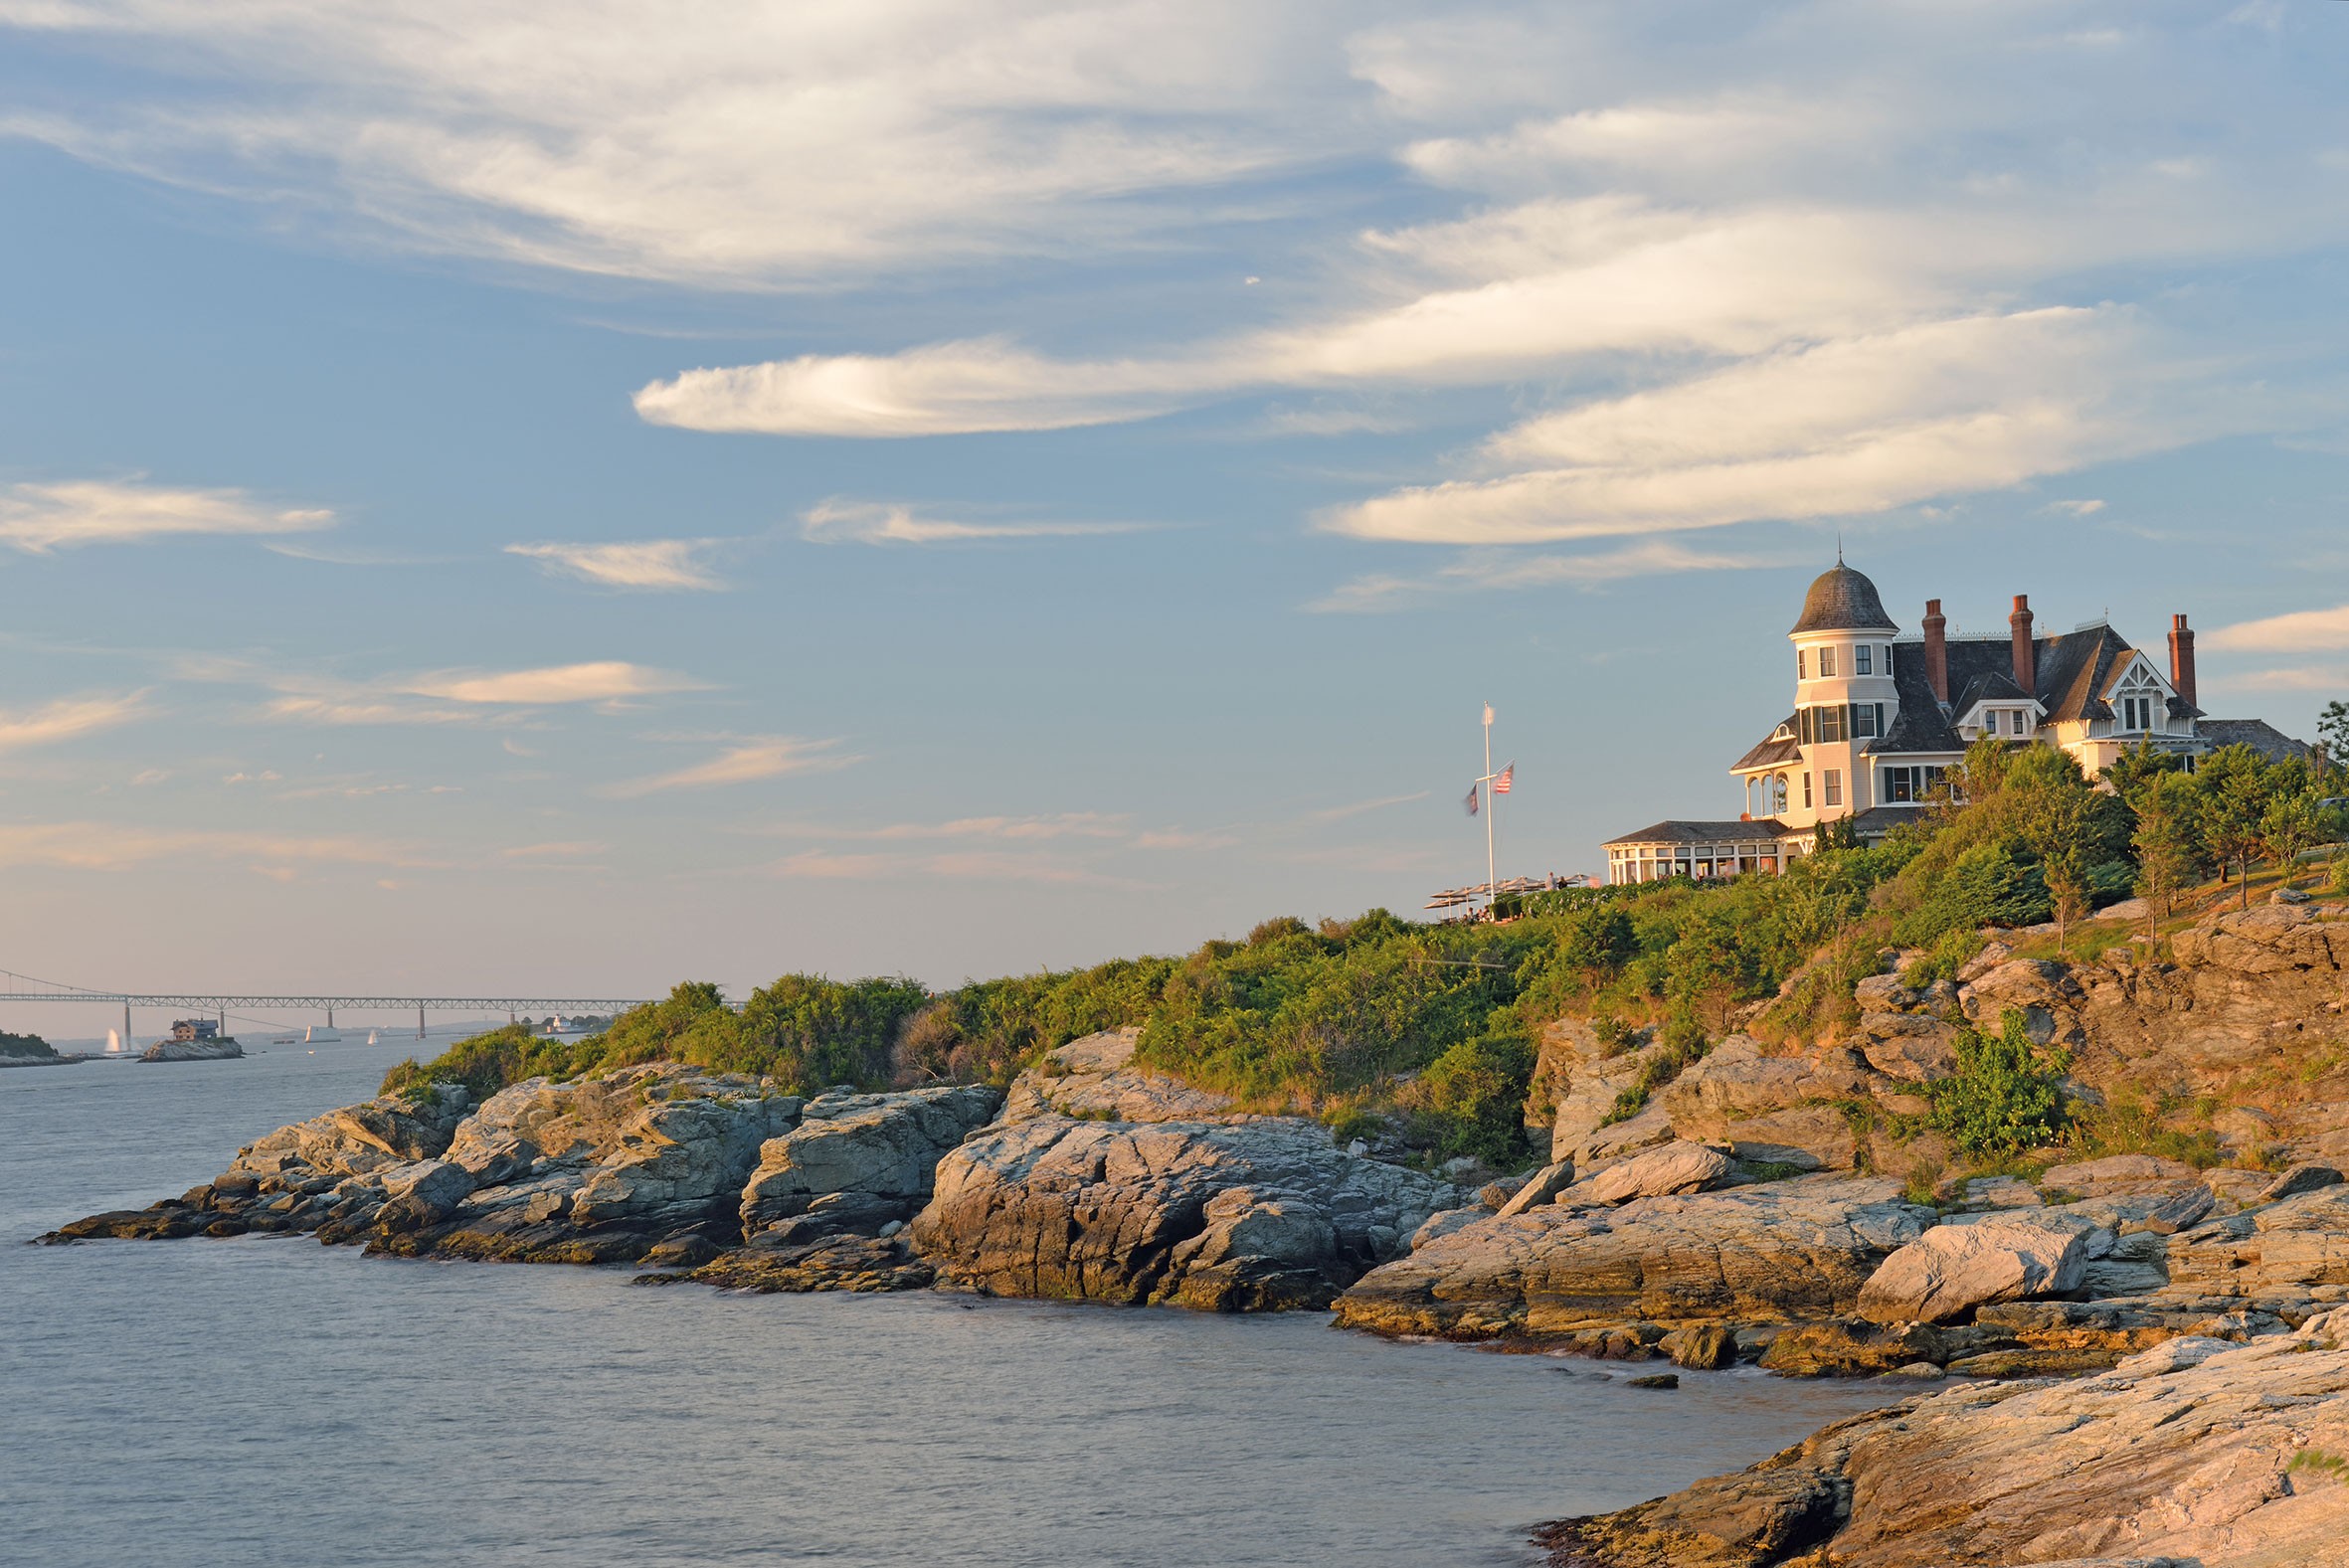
(1763, 1254)
(884, 1148)
(2198, 1452)
(1241, 1214)
(222, 1050)
(646, 1163)
(1097, 1077)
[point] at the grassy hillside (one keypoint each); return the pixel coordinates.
(1433, 1028)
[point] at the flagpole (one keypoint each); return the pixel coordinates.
(1491, 809)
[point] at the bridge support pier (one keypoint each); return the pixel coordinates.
(420, 1023)
(127, 1045)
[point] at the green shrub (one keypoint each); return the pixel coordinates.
(2005, 1095)
(1471, 1100)
(1950, 952)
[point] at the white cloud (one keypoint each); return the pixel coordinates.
(1481, 570)
(2333, 679)
(2301, 632)
(770, 757)
(39, 518)
(843, 521)
(68, 717)
(565, 849)
(651, 564)
(601, 681)
(765, 143)
(1855, 425)
(2087, 508)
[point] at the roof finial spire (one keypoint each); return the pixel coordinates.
(1839, 546)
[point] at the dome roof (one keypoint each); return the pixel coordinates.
(1842, 599)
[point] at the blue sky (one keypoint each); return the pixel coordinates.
(578, 498)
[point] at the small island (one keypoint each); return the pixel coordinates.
(30, 1050)
(193, 1040)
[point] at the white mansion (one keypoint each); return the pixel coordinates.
(1878, 718)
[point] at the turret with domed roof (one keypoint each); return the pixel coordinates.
(1842, 599)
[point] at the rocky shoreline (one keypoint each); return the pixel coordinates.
(2126, 1360)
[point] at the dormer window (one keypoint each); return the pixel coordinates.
(1861, 661)
(2136, 713)
(1827, 663)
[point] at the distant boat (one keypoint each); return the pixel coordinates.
(114, 1043)
(321, 1034)
(374, 1036)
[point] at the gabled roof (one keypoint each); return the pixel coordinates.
(1988, 686)
(1842, 599)
(1766, 829)
(1772, 750)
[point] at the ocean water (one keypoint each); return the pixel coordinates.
(270, 1401)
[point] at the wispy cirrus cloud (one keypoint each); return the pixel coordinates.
(447, 697)
(601, 680)
(68, 718)
(115, 846)
(771, 756)
(652, 565)
(839, 520)
(963, 865)
(71, 513)
(1056, 824)
(1490, 569)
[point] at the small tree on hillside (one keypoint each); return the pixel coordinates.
(2233, 780)
(2168, 843)
(2294, 823)
(2136, 771)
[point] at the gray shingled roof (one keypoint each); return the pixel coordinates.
(2258, 734)
(1842, 599)
(1762, 829)
(1770, 751)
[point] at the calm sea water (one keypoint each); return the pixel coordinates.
(270, 1401)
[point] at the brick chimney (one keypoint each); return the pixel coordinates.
(2182, 659)
(2026, 676)
(1938, 652)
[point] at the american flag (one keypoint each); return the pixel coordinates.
(1472, 799)
(1501, 784)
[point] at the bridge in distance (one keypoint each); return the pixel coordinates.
(16, 987)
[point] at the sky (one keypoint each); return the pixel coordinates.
(570, 498)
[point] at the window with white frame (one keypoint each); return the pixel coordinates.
(1831, 782)
(1826, 663)
(1802, 663)
(1863, 660)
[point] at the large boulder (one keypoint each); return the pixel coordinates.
(1784, 1110)
(1949, 1270)
(887, 1146)
(1098, 1076)
(1798, 1248)
(1052, 1206)
(1659, 1172)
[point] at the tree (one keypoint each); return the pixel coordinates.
(2295, 821)
(2057, 818)
(2332, 733)
(2233, 780)
(2168, 843)
(2136, 771)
